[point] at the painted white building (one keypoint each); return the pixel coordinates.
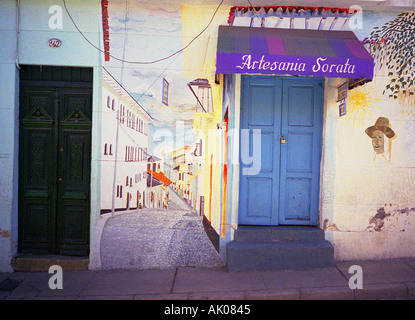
(187, 174)
(124, 148)
(193, 176)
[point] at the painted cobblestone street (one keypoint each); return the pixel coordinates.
(157, 238)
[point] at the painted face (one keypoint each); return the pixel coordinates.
(377, 141)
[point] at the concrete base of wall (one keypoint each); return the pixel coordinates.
(279, 248)
(35, 263)
(373, 245)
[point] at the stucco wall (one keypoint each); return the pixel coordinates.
(368, 196)
(365, 204)
(9, 128)
(32, 48)
(368, 201)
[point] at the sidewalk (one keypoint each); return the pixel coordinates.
(384, 279)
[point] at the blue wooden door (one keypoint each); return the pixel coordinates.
(281, 125)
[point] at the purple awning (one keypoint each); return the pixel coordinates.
(293, 52)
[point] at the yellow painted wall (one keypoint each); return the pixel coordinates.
(200, 62)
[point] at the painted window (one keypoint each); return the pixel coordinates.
(165, 99)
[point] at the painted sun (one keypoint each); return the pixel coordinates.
(359, 101)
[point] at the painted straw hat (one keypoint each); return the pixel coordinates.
(381, 124)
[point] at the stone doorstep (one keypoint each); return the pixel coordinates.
(34, 263)
(292, 255)
(249, 234)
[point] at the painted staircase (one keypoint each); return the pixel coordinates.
(279, 248)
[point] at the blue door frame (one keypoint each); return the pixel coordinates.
(284, 115)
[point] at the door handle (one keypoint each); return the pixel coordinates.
(282, 139)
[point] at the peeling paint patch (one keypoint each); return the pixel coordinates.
(377, 220)
(382, 216)
(327, 226)
(5, 233)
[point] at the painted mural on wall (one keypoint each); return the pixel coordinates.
(172, 85)
(177, 91)
(374, 190)
(392, 47)
(378, 132)
(137, 34)
(391, 43)
(360, 101)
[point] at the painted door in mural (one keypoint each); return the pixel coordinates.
(54, 167)
(288, 111)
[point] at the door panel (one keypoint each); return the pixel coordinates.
(300, 148)
(297, 199)
(37, 218)
(301, 105)
(75, 99)
(73, 199)
(267, 145)
(74, 170)
(301, 120)
(260, 192)
(37, 159)
(261, 95)
(37, 193)
(260, 109)
(289, 114)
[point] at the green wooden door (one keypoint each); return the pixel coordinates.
(54, 167)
